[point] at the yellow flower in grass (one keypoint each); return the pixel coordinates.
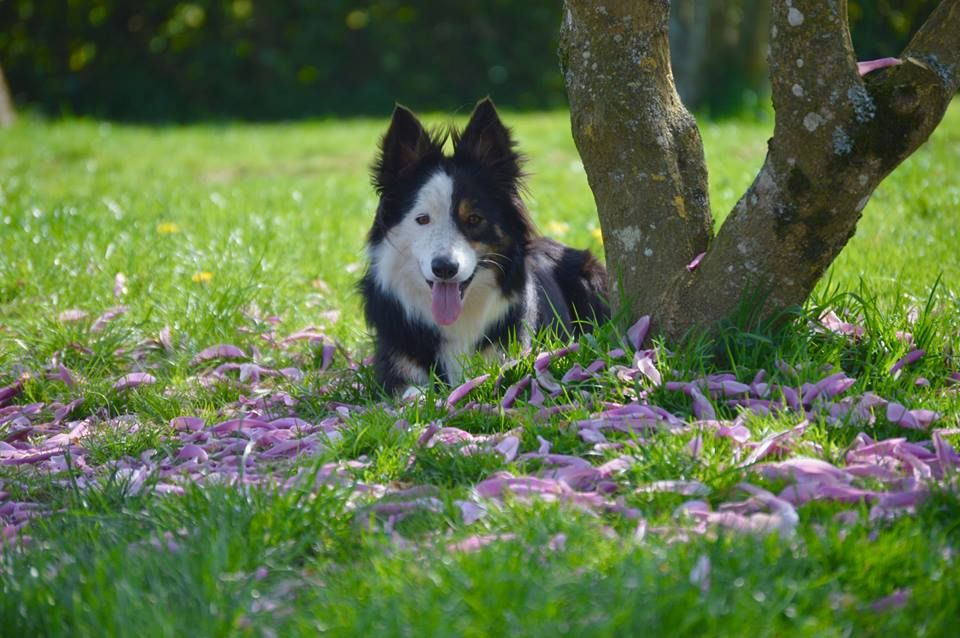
(202, 277)
(557, 228)
(597, 234)
(167, 228)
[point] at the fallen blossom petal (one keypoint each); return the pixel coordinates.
(428, 433)
(868, 66)
(119, 285)
(685, 488)
(803, 468)
(326, 355)
(470, 512)
(133, 380)
(901, 416)
(192, 423)
(10, 391)
(695, 262)
(510, 396)
(908, 359)
(547, 381)
(576, 374)
(896, 600)
(647, 368)
(700, 574)
(637, 333)
(221, 351)
(461, 391)
(702, 407)
(544, 359)
(60, 373)
(188, 452)
(832, 322)
(508, 448)
(107, 317)
(72, 316)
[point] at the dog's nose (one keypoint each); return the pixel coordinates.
(444, 267)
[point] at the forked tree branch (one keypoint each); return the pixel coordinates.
(837, 135)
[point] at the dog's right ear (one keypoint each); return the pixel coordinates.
(404, 146)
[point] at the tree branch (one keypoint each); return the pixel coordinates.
(837, 135)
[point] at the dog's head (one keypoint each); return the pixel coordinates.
(449, 229)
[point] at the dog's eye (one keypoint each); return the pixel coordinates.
(473, 220)
(423, 220)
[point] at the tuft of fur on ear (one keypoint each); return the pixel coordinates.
(404, 146)
(487, 141)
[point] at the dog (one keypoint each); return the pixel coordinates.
(455, 265)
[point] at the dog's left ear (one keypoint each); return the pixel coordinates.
(487, 140)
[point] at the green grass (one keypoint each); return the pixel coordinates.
(227, 233)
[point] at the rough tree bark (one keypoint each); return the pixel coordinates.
(7, 112)
(837, 135)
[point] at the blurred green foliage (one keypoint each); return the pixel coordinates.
(172, 60)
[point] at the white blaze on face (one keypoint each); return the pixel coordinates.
(403, 261)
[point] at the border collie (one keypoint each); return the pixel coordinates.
(455, 264)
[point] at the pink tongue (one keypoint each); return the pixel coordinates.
(446, 302)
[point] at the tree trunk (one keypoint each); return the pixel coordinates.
(7, 113)
(837, 135)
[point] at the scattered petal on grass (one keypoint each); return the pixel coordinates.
(72, 316)
(700, 574)
(134, 379)
(510, 396)
(191, 423)
(643, 362)
(702, 408)
(908, 359)
(464, 389)
(10, 391)
(637, 333)
(119, 285)
(896, 600)
(222, 351)
(833, 323)
(106, 318)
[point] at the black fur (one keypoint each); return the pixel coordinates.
(487, 173)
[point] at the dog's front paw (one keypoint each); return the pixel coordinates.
(412, 394)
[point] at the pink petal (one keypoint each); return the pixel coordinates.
(191, 423)
(695, 262)
(702, 408)
(72, 316)
(106, 318)
(222, 351)
(119, 285)
(910, 358)
(133, 380)
(461, 391)
(637, 333)
(188, 452)
(508, 448)
(644, 363)
(869, 66)
(898, 414)
(510, 396)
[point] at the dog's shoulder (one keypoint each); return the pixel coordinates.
(573, 283)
